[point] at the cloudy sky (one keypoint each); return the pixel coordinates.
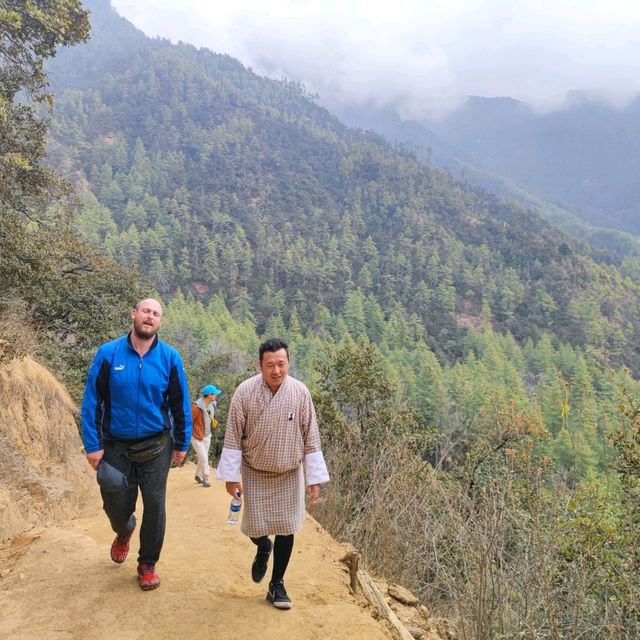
(417, 55)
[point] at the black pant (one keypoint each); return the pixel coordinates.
(151, 476)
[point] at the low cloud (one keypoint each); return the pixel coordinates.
(421, 58)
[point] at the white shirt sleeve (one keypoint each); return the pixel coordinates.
(229, 465)
(315, 468)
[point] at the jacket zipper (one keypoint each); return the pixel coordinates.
(138, 398)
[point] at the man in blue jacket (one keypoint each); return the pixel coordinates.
(136, 416)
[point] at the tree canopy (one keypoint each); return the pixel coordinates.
(60, 287)
(30, 32)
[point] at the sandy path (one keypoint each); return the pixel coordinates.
(60, 583)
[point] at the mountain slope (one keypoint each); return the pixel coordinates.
(472, 161)
(581, 158)
(215, 180)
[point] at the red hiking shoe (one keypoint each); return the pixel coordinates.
(147, 576)
(120, 547)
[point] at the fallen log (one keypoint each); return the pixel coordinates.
(375, 598)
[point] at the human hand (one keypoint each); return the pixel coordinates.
(178, 457)
(313, 493)
(94, 458)
(233, 488)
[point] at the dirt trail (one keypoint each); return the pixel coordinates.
(59, 582)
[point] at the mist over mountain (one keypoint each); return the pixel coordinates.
(583, 158)
(575, 164)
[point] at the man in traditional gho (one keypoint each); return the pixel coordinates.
(271, 446)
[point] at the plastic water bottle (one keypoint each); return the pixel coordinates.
(234, 509)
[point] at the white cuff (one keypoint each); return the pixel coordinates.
(229, 465)
(315, 469)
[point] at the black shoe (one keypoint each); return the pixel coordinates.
(259, 566)
(277, 595)
(206, 483)
(198, 480)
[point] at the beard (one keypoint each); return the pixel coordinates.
(144, 331)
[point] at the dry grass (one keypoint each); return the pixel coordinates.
(492, 560)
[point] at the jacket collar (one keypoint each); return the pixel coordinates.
(154, 344)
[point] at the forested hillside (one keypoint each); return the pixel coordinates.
(253, 191)
(462, 353)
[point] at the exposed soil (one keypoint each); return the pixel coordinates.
(59, 582)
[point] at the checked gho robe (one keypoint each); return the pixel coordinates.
(269, 440)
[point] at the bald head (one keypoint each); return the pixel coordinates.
(151, 303)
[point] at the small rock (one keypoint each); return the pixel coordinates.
(424, 612)
(403, 595)
(445, 630)
(416, 632)
(4, 573)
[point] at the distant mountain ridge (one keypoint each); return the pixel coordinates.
(583, 157)
(576, 165)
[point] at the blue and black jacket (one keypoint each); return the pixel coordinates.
(128, 397)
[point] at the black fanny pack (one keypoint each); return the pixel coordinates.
(148, 449)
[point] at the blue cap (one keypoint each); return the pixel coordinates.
(211, 389)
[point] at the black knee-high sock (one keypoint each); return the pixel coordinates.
(262, 543)
(282, 548)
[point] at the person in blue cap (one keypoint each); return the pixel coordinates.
(203, 412)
